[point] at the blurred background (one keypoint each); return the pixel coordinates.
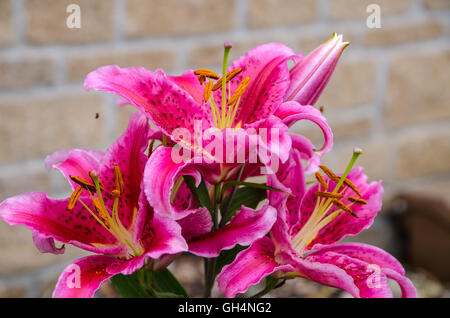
(389, 95)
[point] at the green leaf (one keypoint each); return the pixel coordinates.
(164, 283)
(252, 185)
(227, 257)
(249, 197)
(200, 193)
(128, 286)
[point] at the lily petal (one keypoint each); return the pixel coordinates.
(367, 253)
(160, 177)
(245, 227)
(358, 278)
(406, 286)
(46, 244)
(189, 82)
(291, 112)
(128, 153)
(77, 162)
(273, 140)
(160, 235)
(290, 178)
(51, 218)
(196, 224)
(168, 105)
(249, 268)
(306, 150)
(388, 264)
(82, 278)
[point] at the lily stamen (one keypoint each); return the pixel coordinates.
(329, 173)
(206, 73)
(224, 116)
(357, 200)
(74, 198)
(201, 79)
(208, 91)
(342, 206)
(321, 181)
(85, 184)
(326, 200)
(239, 91)
(230, 75)
(329, 195)
(349, 184)
(101, 212)
(118, 179)
(115, 193)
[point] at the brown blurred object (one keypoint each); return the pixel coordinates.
(425, 221)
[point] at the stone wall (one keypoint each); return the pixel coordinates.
(389, 94)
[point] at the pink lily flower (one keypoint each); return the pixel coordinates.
(250, 95)
(302, 242)
(107, 213)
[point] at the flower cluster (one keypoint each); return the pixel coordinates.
(156, 193)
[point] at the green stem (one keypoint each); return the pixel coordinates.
(209, 279)
(231, 198)
(224, 81)
(211, 263)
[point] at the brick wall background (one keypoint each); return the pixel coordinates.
(389, 95)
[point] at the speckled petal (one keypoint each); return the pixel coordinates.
(367, 253)
(388, 264)
(128, 153)
(159, 235)
(249, 268)
(168, 105)
(358, 278)
(51, 219)
(82, 278)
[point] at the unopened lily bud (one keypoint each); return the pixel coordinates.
(311, 74)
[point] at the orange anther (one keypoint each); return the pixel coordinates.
(74, 197)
